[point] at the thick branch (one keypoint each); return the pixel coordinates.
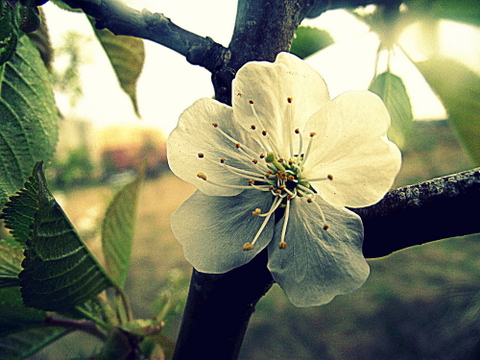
(424, 212)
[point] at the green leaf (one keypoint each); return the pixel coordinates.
(393, 93)
(118, 229)
(467, 11)
(19, 212)
(59, 270)
(14, 315)
(459, 89)
(127, 56)
(10, 264)
(29, 118)
(308, 40)
(23, 344)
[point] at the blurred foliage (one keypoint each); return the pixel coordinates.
(308, 40)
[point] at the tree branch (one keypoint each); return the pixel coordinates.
(123, 20)
(421, 213)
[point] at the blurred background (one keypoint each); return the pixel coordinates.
(419, 303)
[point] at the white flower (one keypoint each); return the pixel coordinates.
(277, 170)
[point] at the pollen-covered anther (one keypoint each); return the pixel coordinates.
(313, 133)
(222, 160)
(251, 102)
(280, 160)
(215, 125)
(255, 161)
(238, 145)
(309, 200)
(247, 246)
(289, 99)
(251, 182)
(291, 178)
(325, 227)
(330, 177)
(253, 127)
(256, 212)
(282, 245)
(297, 131)
(264, 132)
(262, 156)
(202, 176)
(201, 155)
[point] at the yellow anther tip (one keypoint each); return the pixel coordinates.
(202, 176)
(247, 247)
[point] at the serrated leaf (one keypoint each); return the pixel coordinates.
(308, 40)
(127, 56)
(59, 270)
(41, 39)
(28, 115)
(23, 344)
(19, 211)
(394, 94)
(459, 89)
(118, 229)
(467, 11)
(10, 264)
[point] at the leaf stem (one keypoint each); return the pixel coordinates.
(88, 327)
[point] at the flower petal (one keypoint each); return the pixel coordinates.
(318, 264)
(270, 85)
(213, 229)
(195, 134)
(351, 145)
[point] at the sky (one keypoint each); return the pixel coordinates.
(169, 84)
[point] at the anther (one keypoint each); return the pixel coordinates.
(247, 247)
(251, 182)
(264, 132)
(237, 145)
(202, 176)
(256, 212)
(201, 155)
(330, 177)
(253, 127)
(325, 227)
(297, 131)
(255, 161)
(251, 102)
(262, 156)
(282, 245)
(215, 125)
(313, 133)
(289, 100)
(222, 161)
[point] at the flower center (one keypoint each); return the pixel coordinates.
(280, 176)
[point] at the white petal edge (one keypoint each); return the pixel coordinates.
(270, 85)
(318, 264)
(213, 229)
(351, 145)
(195, 134)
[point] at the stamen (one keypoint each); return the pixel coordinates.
(204, 177)
(289, 124)
(312, 135)
(283, 244)
(264, 132)
(249, 246)
(300, 142)
(322, 215)
(201, 155)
